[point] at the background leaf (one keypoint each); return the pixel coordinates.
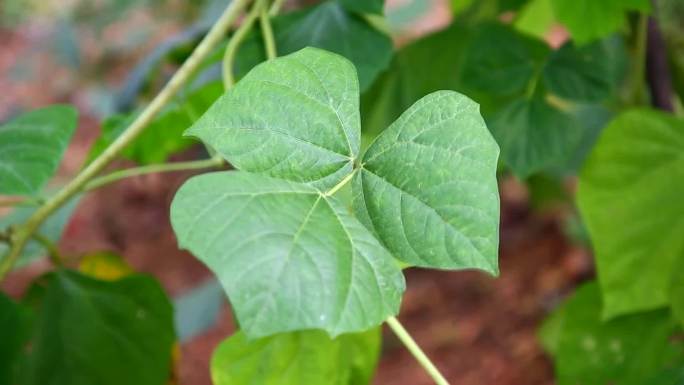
(14, 331)
(636, 166)
(89, 331)
(588, 73)
(328, 26)
(288, 257)
(623, 351)
(534, 136)
(427, 187)
(306, 357)
(307, 129)
(588, 20)
(31, 148)
(366, 6)
(502, 61)
(164, 135)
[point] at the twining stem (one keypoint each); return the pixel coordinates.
(417, 352)
(236, 41)
(151, 169)
(214, 36)
(267, 32)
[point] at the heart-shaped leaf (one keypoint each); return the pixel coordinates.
(305, 357)
(295, 118)
(31, 147)
(427, 186)
(289, 257)
(636, 167)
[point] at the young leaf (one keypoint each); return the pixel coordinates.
(636, 167)
(305, 357)
(588, 73)
(624, 351)
(502, 61)
(296, 118)
(588, 20)
(534, 136)
(51, 229)
(289, 257)
(96, 332)
(31, 147)
(427, 186)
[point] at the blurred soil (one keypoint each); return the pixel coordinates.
(478, 329)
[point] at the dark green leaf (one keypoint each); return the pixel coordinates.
(289, 257)
(306, 357)
(588, 73)
(51, 229)
(295, 117)
(534, 136)
(95, 332)
(636, 167)
(427, 186)
(14, 332)
(624, 351)
(330, 27)
(31, 148)
(365, 6)
(588, 20)
(502, 61)
(402, 85)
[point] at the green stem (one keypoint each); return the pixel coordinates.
(339, 185)
(639, 69)
(20, 201)
(235, 42)
(267, 32)
(151, 169)
(53, 251)
(213, 37)
(275, 8)
(417, 352)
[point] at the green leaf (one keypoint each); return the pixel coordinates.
(31, 147)
(96, 332)
(306, 357)
(677, 292)
(589, 73)
(330, 27)
(535, 19)
(366, 6)
(289, 257)
(534, 136)
(51, 229)
(164, 136)
(636, 167)
(295, 117)
(14, 331)
(502, 61)
(624, 351)
(588, 20)
(427, 187)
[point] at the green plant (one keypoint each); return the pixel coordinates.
(352, 162)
